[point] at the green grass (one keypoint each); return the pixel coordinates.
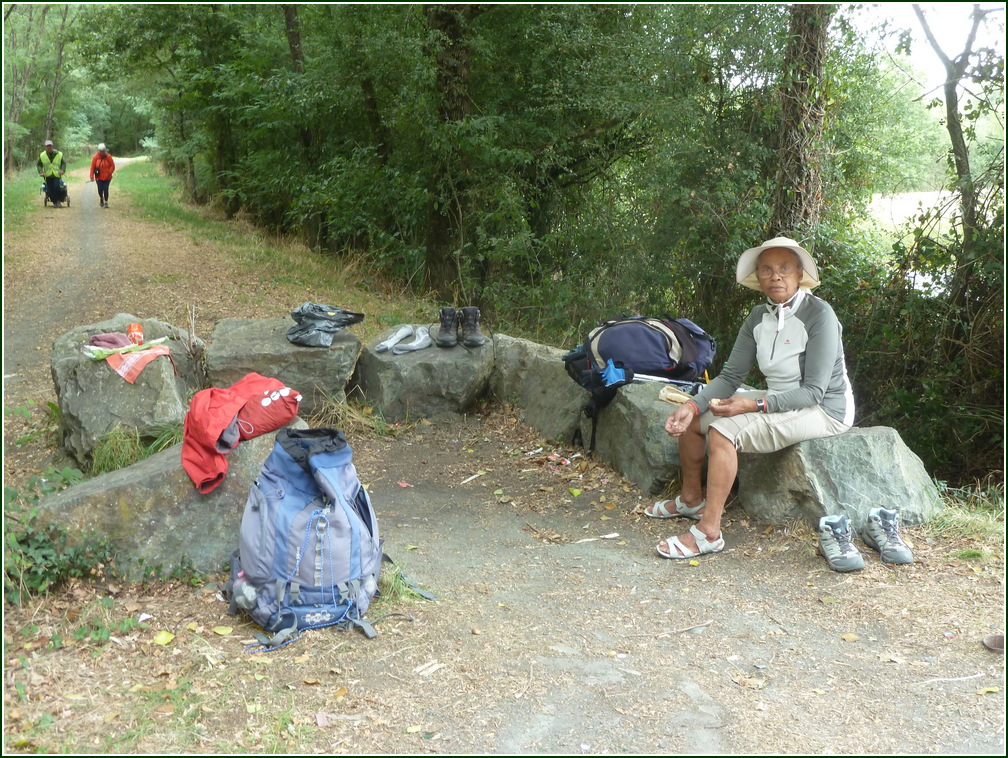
(347, 280)
(393, 591)
(972, 554)
(159, 200)
(124, 447)
(976, 513)
(352, 417)
(21, 196)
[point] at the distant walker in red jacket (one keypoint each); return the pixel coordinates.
(102, 168)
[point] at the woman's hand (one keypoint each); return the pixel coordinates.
(676, 424)
(733, 406)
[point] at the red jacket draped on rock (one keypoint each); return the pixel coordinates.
(219, 418)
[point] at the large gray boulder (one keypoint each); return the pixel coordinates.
(434, 383)
(847, 474)
(630, 436)
(93, 399)
(153, 515)
(242, 346)
(532, 378)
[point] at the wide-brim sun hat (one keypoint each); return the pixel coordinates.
(745, 271)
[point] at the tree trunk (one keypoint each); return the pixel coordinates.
(447, 206)
(955, 70)
(292, 25)
(21, 70)
(798, 196)
(58, 73)
(355, 55)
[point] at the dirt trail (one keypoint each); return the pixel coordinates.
(56, 283)
(557, 629)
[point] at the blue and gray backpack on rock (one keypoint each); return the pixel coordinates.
(309, 554)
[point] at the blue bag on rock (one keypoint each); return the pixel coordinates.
(636, 348)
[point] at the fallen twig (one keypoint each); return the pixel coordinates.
(953, 679)
(396, 652)
(519, 695)
(686, 628)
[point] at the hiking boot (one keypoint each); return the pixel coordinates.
(471, 334)
(835, 544)
(447, 335)
(881, 532)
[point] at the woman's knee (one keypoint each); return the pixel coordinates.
(718, 441)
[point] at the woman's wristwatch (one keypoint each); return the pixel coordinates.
(761, 404)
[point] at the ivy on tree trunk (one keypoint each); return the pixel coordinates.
(799, 186)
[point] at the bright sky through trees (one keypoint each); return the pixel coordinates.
(950, 24)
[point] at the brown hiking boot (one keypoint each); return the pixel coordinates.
(447, 335)
(471, 334)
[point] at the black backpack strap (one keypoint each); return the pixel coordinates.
(287, 631)
(228, 590)
(591, 410)
(363, 625)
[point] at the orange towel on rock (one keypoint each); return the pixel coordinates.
(129, 365)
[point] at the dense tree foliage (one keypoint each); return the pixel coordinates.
(556, 164)
(932, 329)
(51, 91)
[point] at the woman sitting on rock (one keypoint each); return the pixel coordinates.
(795, 338)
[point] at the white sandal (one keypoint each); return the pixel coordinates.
(658, 510)
(704, 546)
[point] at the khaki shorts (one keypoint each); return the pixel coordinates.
(767, 432)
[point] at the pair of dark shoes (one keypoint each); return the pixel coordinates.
(465, 319)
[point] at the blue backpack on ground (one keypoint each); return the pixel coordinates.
(620, 350)
(309, 555)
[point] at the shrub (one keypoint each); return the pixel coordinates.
(39, 558)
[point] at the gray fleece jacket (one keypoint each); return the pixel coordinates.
(799, 350)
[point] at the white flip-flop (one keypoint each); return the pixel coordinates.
(421, 339)
(404, 331)
(658, 510)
